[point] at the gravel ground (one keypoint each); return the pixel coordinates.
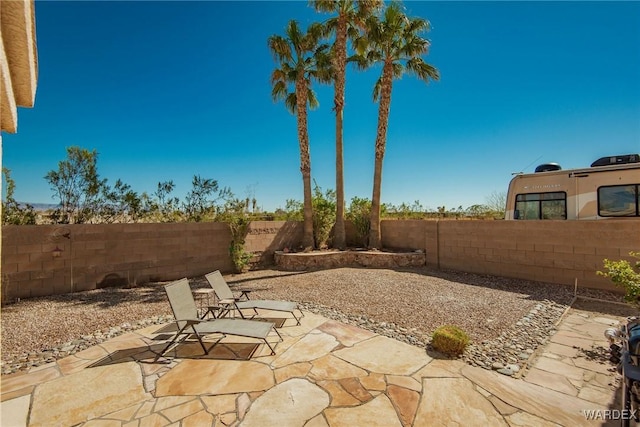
(413, 301)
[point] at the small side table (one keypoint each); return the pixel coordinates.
(203, 300)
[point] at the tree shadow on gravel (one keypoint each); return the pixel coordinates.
(113, 296)
(606, 308)
(101, 298)
(239, 281)
(530, 290)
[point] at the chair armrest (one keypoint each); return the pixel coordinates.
(244, 293)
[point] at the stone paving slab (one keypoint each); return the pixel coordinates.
(211, 377)
(15, 411)
(542, 402)
(455, 401)
(291, 403)
(85, 395)
(385, 355)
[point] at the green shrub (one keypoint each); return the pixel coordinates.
(235, 214)
(450, 340)
(626, 276)
(359, 213)
(13, 212)
(324, 215)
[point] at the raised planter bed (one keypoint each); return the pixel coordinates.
(318, 260)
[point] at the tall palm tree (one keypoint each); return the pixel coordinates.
(351, 15)
(301, 58)
(394, 41)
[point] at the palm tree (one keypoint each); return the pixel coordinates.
(351, 15)
(301, 59)
(394, 41)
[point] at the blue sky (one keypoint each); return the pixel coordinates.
(168, 90)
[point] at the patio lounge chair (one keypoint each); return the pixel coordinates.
(186, 318)
(229, 302)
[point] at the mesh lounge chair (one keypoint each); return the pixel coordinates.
(186, 318)
(229, 302)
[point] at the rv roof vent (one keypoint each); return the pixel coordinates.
(616, 160)
(547, 167)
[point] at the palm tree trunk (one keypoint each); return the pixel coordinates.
(340, 65)
(305, 164)
(375, 238)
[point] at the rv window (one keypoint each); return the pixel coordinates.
(619, 200)
(541, 206)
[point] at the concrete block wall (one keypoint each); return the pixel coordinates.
(94, 256)
(412, 235)
(266, 237)
(99, 255)
(548, 251)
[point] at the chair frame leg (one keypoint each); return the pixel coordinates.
(177, 342)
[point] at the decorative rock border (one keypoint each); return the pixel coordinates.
(318, 260)
(506, 354)
(34, 359)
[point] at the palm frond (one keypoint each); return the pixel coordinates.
(330, 26)
(327, 6)
(361, 61)
(291, 102)
(279, 91)
(394, 17)
(414, 45)
(353, 34)
(278, 75)
(368, 7)
(375, 56)
(360, 45)
(377, 88)
(312, 99)
(294, 35)
(417, 25)
(422, 70)
(374, 30)
(398, 70)
(315, 33)
(280, 48)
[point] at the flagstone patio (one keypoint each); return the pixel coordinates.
(324, 374)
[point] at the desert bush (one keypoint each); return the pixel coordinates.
(77, 186)
(625, 275)
(235, 214)
(13, 212)
(324, 215)
(450, 340)
(359, 214)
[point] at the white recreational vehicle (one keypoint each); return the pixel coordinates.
(610, 188)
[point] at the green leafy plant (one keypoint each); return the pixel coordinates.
(201, 202)
(162, 207)
(77, 186)
(324, 215)
(450, 340)
(239, 256)
(359, 213)
(235, 214)
(293, 210)
(625, 275)
(119, 204)
(13, 212)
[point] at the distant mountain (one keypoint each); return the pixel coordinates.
(40, 206)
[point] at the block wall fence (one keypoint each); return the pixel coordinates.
(95, 256)
(98, 255)
(546, 251)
